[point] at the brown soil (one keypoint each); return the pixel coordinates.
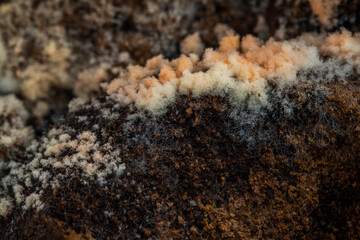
(190, 176)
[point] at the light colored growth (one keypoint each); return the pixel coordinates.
(13, 117)
(342, 45)
(325, 10)
(5, 207)
(2, 53)
(86, 154)
(38, 78)
(313, 39)
(13, 133)
(192, 44)
(88, 80)
(237, 68)
(47, 66)
(345, 46)
(221, 30)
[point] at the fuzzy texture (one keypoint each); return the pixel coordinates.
(345, 46)
(325, 10)
(61, 153)
(224, 71)
(5, 207)
(88, 80)
(86, 158)
(40, 78)
(250, 139)
(192, 44)
(241, 71)
(13, 129)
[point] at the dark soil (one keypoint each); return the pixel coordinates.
(190, 176)
(192, 173)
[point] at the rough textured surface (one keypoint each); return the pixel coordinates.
(93, 168)
(197, 181)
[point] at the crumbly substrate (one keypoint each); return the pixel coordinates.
(190, 174)
(208, 129)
